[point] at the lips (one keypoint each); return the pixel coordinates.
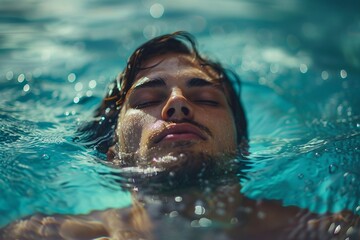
(180, 132)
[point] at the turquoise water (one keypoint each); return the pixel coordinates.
(300, 66)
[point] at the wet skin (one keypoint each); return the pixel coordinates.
(174, 106)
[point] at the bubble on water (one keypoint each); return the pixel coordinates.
(78, 86)
(195, 224)
(349, 178)
(157, 10)
(9, 75)
(317, 154)
(178, 199)
(150, 31)
(334, 229)
(199, 210)
(349, 232)
(92, 84)
(343, 74)
(303, 68)
(333, 168)
(357, 210)
(261, 215)
(173, 214)
(21, 78)
(234, 220)
(274, 68)
(337, 229)
(89, 93)
(76, 99)
(205, 222)
(182, 157)
(71, 77)
(262, 81)
(26, 88)
(324, 75)
(220, 212)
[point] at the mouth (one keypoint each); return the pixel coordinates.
(180, 132)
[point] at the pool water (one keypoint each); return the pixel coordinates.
(299, 62)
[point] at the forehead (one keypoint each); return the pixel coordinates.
(175, 65)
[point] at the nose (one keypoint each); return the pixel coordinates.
(177, 107)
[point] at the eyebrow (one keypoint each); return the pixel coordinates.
(150, 83)
(199, 82)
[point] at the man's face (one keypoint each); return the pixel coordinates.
(174, 107)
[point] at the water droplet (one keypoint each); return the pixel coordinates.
(333, 168)
(78, 86)
(343, 74)
(199, 210)
(9, 75)
(350, 231)
(234, 220)
(194, 223)
(303, 68)
(178, 199)
(21, 78)
(76, 99)
(71, 77)
(157, 10)
(205, 222)
(92, 84)
(26, 87)
(89, 93)
(357, 210)
(274, 68)
(324, 75)
(337, 229)
(173, 214)
(261, 215)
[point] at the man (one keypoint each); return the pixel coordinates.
(174, 114)
(170, 100)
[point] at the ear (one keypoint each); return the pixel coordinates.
(111, 153)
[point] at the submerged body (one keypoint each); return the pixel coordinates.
(208, 208)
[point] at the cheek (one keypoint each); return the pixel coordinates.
(129, 131)
(225, 131)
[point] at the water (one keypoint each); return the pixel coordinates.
(300, 66)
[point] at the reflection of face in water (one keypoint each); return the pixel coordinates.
(175, 110)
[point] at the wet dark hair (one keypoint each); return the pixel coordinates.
(100, 132)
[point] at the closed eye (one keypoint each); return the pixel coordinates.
(147, 104)
(207, 102)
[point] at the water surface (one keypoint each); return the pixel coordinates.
(298, 60)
